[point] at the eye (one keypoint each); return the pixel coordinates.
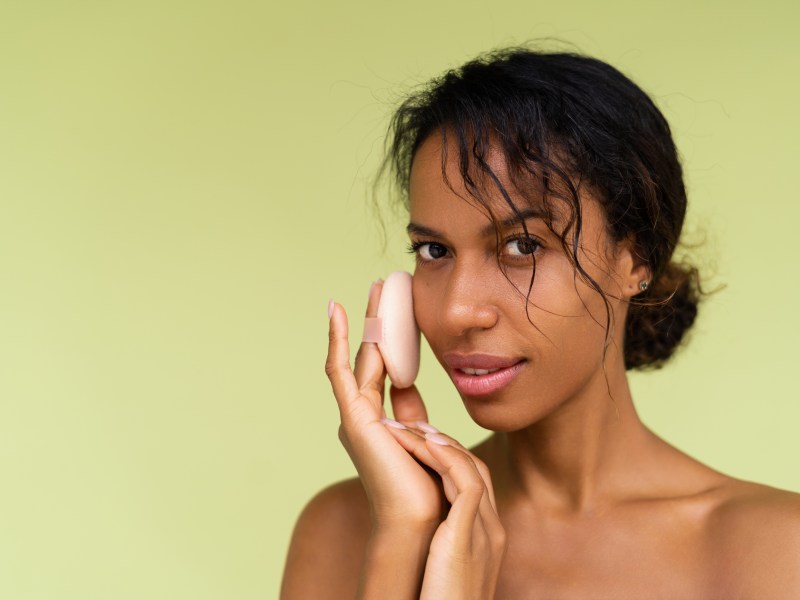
(431, 251)
(521, 246)
(427, 251)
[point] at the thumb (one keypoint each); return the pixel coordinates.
(407, 404)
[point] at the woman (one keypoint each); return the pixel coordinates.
(545, 203)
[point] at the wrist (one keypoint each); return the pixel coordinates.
(397, 539)
(403, 528)
(394, 564)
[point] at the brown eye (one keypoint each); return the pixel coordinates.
(431, 251)
(521, 246)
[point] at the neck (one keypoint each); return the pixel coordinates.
(577, 458)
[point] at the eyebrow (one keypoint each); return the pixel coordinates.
(524, 215)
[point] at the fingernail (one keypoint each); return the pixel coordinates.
(330, 308)
(426, 427)
(437, 439)
(392, 423)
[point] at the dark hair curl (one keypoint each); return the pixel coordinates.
(563, 120)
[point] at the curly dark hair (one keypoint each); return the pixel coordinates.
(562, 121)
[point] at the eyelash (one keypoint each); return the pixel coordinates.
(414, 247)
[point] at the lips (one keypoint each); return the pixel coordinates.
(482, 374)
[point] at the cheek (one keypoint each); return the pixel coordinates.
(424, 304)
(553, 295)
(569, 313)
(583, 335)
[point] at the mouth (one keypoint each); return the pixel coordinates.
(481, 375)
(479, 371)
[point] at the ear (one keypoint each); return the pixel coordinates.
(632, 268)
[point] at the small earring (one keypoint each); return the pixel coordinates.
(643, 284)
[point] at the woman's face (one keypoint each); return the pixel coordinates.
(474, 318)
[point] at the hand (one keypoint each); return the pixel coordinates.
(402, 494)
(467, 550)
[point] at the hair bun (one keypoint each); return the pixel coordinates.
(659, 318)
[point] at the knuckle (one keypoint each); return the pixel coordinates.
(474, 489)
(467, 467)
(498, 534)
(330, 368)
(499, 540)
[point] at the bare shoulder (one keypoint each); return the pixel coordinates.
(756, 511)
(754, 537)
(328, 544)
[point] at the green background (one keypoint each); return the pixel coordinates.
(183, 187)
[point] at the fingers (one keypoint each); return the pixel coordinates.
(358, 392)
(337, 364)
(466, 481)
(416, 439)
(407, 405)
(458, 469)
(474, 524)
(412, 440)
(369, 368)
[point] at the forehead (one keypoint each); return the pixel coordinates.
(436, 186)
(448, 204)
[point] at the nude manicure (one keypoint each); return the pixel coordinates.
(437, 439)
(426, 427)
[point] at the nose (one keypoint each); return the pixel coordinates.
(467, 303)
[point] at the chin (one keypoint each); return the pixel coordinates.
(493, 415)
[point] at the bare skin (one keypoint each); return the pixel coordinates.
(588, 502)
